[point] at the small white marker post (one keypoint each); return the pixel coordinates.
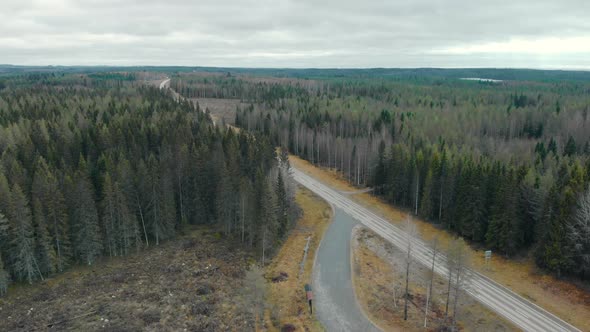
(488, 257)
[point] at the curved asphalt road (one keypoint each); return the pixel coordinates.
(334, 302)
(500, 299)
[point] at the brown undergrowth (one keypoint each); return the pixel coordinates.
(379, 267)
(189, 283)
(289, 310)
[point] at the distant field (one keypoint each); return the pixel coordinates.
(221, 109)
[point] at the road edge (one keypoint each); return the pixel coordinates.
(315, 256)
(352, 278)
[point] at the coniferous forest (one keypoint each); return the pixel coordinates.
(101, 164)
(504, 164)
(105, 165)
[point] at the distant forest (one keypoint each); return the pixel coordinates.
(105, 165)
(505, 165)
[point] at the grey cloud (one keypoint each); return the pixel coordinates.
(281, 33)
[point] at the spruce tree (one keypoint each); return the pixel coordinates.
(4, 194)
(110, 223)
(578, 234)
(22, 241)
(4, 276)
(282, 206)
(570, 147)
(130, 235)
(426, 200)
(45, 253)
(46, 189)
(224, 202)
(86, 235)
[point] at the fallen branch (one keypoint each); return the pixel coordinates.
(72, 318)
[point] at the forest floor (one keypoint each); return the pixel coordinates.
(189, 283)
(286, 294)
(565, 299)
(378, 266)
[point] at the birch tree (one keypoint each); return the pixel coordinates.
(410, 233)
(434, 249)
(458, 263)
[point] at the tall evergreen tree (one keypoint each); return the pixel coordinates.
(578, 234)
(22, 241)
(46, 189)
(86, 236)
(45, 253)
(4, 278)
(282, 206)
(110, 222)
(130, 235)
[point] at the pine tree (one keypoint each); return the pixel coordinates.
(22, 242)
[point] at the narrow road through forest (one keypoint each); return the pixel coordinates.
(336, 310)
(335, 303)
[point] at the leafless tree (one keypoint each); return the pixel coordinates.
(434, 244)
(457, 264)
(253, 296)
(410, 233)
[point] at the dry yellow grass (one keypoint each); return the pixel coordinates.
(562, 298)
(378, 266)
(369, 275)
(288, 297)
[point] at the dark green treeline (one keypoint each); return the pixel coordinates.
(93, 169)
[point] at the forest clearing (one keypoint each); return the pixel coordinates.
(193, 282)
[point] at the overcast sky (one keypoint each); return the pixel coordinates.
(283, 33)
